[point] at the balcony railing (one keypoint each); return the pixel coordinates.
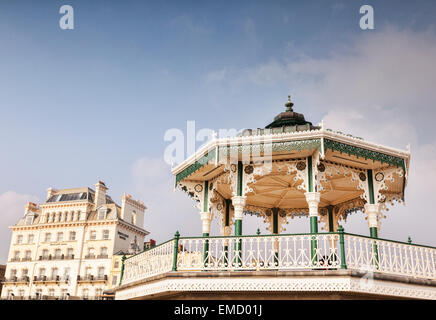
(23, 279)
(90, 256)
(102, 256)
(92, 278)
(321, 251)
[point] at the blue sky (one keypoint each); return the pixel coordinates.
(94, 102)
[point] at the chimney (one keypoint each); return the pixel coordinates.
(50, 192)
(100, 193)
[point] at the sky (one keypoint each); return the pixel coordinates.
(94, 103)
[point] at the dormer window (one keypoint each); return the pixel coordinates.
(102, 213)
(29, 218)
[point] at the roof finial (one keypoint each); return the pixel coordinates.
(289, 105)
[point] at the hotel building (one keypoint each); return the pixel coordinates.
(64, 247)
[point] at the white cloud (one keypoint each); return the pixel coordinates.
(12, 208)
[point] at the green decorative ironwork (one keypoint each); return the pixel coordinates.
(123, 258)
(195, 166)
(240, 177)
(342, 246)
(176, 250)
(370, 187)
(309, 173)
(363, 153)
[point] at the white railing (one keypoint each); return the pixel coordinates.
(287, 252)
(366, 254)
(322, 251)
(149, 263)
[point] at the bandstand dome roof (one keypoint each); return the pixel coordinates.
(340, 163)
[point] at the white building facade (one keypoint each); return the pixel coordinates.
(63, 248)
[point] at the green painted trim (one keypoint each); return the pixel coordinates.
(330, 213)
(275, 220)
(195, 166)
(238, 228)
(373, 232)
(364, 153)
(176, 250)
(205, 248)
(227, 217)
(370, 187)
(240, 176)
(342, 246)
(313, 224)
(238, 244)
(309, 173)
(313, 242)
(205, 200)
(123, 258)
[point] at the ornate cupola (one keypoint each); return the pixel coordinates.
(289, 118)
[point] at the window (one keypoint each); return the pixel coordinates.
(47, 237)
(70, 253)
(41, 272)
(72, 235)
(51, 292)
(45, 254)
(103, 252)
(133, 217)
(60, 237)
(29, 219)
(87, 272)
(30, 238)
(67, 273)
(24, 272)
(100, 272)
(13, 273)
(16, 255)
(92, 235)
(85, 294)
(72, 216)
(10, 294)
(20, 239)
(57, 253)
(91, 253)
(38, 293)
(54, 273)
(102, 213)
(64, 293)
(105, 234)
(28, 255)
(114, 280)
(21, 293)
(98, 293)
(116, 264)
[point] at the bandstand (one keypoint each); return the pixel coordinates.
(289, 168)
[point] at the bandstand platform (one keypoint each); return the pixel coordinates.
(288, 169)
